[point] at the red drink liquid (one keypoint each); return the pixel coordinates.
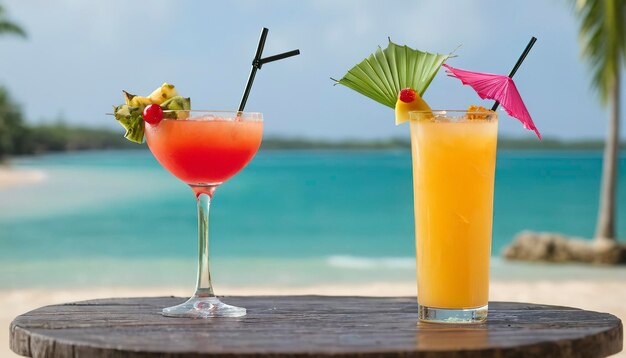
(204, 151)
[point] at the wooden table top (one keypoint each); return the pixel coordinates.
(307, 326)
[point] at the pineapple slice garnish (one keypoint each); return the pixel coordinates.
(163, 93)
(409, 100)
(129, 115)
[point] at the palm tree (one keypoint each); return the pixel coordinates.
(602, 34)
(9, 27)
(11, 127)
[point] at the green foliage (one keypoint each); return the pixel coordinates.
(384, 73)
(9, 27)
(405, 144)
(18, 138)
(13, 131)
(603, 40)
(304, 143)
(61, 137)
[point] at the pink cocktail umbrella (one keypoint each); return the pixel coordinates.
(500, 88)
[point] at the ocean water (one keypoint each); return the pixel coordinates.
(290, 217)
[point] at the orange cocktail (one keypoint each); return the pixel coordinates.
(454, 157)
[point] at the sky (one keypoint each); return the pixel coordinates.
(79, 55)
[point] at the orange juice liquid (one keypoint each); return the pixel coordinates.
(453, 177)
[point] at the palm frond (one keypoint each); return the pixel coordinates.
(385, 72)
(602, 35)
(7, 27)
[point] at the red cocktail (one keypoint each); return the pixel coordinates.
(204, 149)
(207, 149)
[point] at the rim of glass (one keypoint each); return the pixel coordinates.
(454, 112)
(201, 115)
(453, 115)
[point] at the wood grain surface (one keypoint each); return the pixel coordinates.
(309, 326)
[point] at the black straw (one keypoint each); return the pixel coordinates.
(517, 65)
(278, 57)
(258, 62)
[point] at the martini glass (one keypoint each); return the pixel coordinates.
(204, 150)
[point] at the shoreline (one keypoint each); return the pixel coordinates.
(13, 176)
(290, 273)
(603, 296)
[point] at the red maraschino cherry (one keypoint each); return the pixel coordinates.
(153, 114)
(407, 95)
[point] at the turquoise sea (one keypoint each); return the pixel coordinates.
(290, 217)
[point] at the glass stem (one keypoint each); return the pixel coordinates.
(204, 288)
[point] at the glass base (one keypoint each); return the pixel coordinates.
(456, 316)
(204, 307)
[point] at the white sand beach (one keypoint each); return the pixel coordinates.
(603, 296)
(10, 177)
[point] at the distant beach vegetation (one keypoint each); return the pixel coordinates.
(28, 139)
(19, 137)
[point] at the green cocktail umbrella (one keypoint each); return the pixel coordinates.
(384, 73)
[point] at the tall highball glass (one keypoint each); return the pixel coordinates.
(454, 160)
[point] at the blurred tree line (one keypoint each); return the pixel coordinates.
(13, 132)
(19, 138)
